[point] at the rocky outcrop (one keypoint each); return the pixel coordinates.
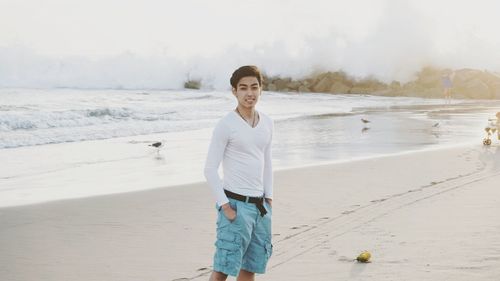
(473, 88)
(495, 90)
(367, 86)
(467, 84)
(323, 85)
(192, 84)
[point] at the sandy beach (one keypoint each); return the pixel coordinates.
(429, 215)
(382, 115)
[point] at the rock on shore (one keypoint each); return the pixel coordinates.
(467, 84)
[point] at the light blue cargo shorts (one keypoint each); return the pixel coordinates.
(245, 242)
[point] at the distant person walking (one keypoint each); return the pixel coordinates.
(447, 82)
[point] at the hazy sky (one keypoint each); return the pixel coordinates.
(388, 39)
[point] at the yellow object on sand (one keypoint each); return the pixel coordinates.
(364, 257)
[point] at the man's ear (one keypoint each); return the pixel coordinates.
(234, 91)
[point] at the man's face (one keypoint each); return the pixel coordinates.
(247, 91)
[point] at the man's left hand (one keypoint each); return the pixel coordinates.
(269, 201)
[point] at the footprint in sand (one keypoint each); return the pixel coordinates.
(299, 227)
(345, 259)
(396, 261)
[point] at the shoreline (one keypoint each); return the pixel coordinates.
(281, 169)
(127, 164)
(375, 156)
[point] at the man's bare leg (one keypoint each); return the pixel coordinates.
(217, 276)
(246, 276)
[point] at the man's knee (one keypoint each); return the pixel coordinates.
(217, 276)
(246, 275)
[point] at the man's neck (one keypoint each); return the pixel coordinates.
(248, 113)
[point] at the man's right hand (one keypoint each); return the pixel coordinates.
(229, 212)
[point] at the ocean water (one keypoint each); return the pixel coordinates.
(69, 143)
(36, 117)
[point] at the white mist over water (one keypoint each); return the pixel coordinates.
(160, 44)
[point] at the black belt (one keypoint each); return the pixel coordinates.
(258, 201)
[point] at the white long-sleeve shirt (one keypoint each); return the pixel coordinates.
(245, 153)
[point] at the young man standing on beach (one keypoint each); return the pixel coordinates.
(241, 140)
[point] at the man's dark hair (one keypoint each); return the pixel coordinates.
(244, 71)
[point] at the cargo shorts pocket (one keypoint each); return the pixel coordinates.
(222, 220)
(269, 249)
(269, 208)
(258, 265)
(228, 252)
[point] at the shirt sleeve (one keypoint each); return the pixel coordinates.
(268, 167)
(220, 138)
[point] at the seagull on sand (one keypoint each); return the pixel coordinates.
(158, 145)
(365, 121)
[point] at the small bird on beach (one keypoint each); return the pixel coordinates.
(365, 121)
(157, 144)
(365, 129)
(436, 125)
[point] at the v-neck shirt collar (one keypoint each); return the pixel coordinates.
(245, 122)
